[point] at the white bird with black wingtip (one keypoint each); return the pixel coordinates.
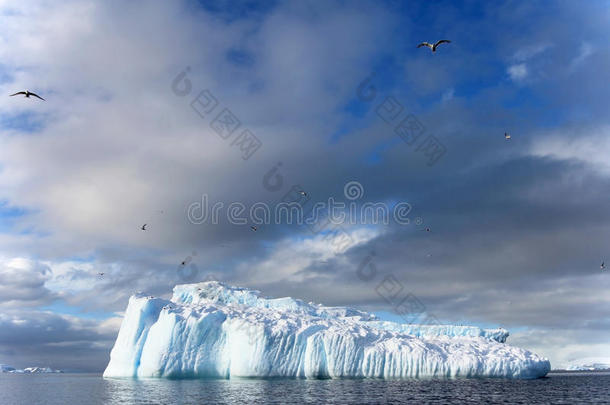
(435, 45)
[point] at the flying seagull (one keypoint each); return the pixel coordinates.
(27, 94)
(101, 274)
(303, 193)
(506, 136)
(253, 228)
(433, 46)
(144, 227)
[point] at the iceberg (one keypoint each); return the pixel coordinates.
(39, 370)
(5, 368)
(28, 370)
(590, 364)
(210, 329)
(35, 370)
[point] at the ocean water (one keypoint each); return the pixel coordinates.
(564, 388)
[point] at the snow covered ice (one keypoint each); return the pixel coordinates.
(214, 330)
(4, 368)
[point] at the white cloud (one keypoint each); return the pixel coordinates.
(586, 50)
(447, 95)
(587, 146)
(530, 51)
(291, 257)
(561, 345)
(517, 72)
(523, 60)
(22, 282)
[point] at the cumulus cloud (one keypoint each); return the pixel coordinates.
(587, 146)
(22, 283)
(517, 72)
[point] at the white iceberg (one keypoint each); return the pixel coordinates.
(35, 370)
(40, 370)
(213, 330)
(28, 370)
(5, 368)
(590, 364)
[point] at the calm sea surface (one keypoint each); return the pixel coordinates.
(573, 388)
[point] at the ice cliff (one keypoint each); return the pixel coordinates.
(214, 330)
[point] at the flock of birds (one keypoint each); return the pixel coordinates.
(433, 47)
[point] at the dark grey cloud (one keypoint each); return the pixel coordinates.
(30, 338)
(22, 283)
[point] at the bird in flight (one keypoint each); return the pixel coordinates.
(434, 46)
(27, 94)
(303, 193)
(183, 263)
(506, 136)
(253, 228)
(101, 274)
(602, 266)
(143, 227)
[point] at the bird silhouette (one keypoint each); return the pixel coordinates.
(434, 46)
(144, 227)
(602, 266)
(27, 94)
(506, 136)
(254, 228)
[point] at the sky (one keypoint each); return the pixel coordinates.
(127, 136)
